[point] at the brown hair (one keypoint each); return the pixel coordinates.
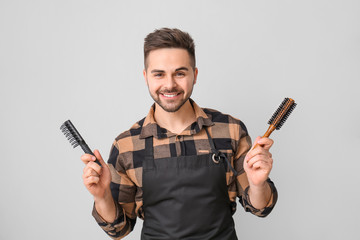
(169, 38)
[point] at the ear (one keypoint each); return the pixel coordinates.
(145, 78)
(195, 75)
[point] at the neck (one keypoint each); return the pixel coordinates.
(177, 121)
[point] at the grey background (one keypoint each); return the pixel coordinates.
(82, 60)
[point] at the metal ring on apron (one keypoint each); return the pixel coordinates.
(214, 160)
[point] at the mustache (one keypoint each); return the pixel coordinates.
(167, 90)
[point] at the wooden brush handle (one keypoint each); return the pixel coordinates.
(267, 134)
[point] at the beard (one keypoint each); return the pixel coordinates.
(169, 105)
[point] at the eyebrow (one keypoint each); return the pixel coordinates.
(162, 71)
(181, 68)
(157, 71)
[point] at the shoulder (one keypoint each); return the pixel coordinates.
(135, 130)
(124, 144)
(219, 118)
(129, 140)
(229, 133)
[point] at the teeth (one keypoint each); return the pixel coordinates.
(170, 95)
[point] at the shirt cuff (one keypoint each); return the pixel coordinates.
(269, 206)
(100, 220)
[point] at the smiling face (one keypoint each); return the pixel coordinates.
(170, 77)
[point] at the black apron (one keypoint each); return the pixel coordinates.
(186, 197)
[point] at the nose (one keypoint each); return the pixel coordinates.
(170, 82)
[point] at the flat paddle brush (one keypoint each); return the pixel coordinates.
(75, 138)
(280, 116)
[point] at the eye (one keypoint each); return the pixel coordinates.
(158, 75)
(180, 74)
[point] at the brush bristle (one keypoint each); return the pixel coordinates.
(282, 113)
(71, 133)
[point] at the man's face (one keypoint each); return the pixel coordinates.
(170, 77)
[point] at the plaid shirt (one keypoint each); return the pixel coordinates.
(229, 135)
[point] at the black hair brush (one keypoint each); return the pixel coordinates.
(75, 138)
(280, 116)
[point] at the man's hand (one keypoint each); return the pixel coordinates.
(97, 180)
(257, 165)
(258, 162)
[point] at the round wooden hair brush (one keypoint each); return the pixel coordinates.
(280, 116)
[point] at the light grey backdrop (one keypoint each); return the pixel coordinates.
(82, 60)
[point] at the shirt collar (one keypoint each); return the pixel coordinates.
(151, 128)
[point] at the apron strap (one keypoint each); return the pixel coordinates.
(217, 155)
(149, 153)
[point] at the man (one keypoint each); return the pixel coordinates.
(181, 167)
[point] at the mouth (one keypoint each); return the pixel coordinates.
(169, 95)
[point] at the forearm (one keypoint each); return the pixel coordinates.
(105, 207)
(260, 196)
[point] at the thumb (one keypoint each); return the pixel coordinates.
(99, 157)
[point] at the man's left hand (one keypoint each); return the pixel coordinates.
(258, 162)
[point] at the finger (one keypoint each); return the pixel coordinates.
(257, 151)
(262, 165)
(253, 160)
(253, 152)
(265, 142)
(99, 157)
(86, 158)
(91, 180)
(95, 167)
(259, 158)
(89, 171)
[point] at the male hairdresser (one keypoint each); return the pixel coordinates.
(182, 167)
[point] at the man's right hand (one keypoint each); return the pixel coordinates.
(96, 179)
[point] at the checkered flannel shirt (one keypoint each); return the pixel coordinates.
(127, 153)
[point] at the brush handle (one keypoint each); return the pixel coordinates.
(269, 131)
(87, 150)
(267, 134)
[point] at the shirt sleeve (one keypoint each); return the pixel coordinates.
(123, 191)
(242, 184)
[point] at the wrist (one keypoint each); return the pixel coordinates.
(104, 198)
(259, 196)
(105, 207)
(258, 187)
